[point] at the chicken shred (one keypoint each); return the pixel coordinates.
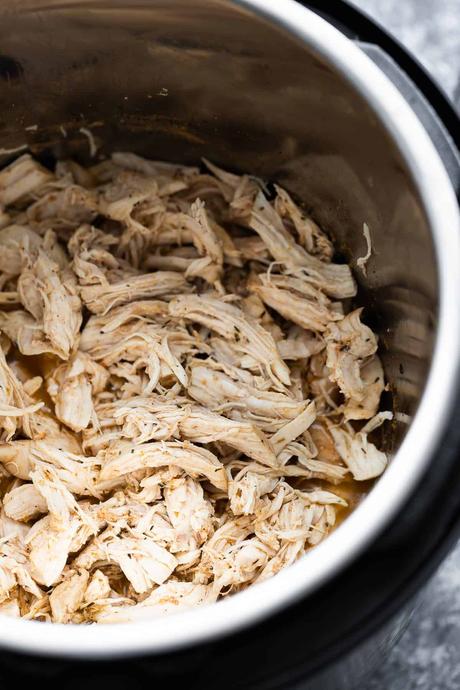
(183, 389)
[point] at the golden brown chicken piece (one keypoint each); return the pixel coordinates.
(99, 299)
(229, 322)
(21, 178)
(72, 387)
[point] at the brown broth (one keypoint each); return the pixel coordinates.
(353, 492)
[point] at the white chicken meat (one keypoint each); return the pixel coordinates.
(183, 389)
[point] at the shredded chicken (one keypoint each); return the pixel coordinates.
(182, 389)
(362, 260)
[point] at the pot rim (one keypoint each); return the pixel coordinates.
(326, 560)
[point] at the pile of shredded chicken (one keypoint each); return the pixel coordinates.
(185, 392)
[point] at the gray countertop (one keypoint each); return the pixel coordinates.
(428, 655)
(430, 29)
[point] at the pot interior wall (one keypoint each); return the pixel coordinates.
(178, 80)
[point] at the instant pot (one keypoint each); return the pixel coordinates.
(317, 97)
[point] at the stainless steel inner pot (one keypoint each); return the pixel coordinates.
(267, 87)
